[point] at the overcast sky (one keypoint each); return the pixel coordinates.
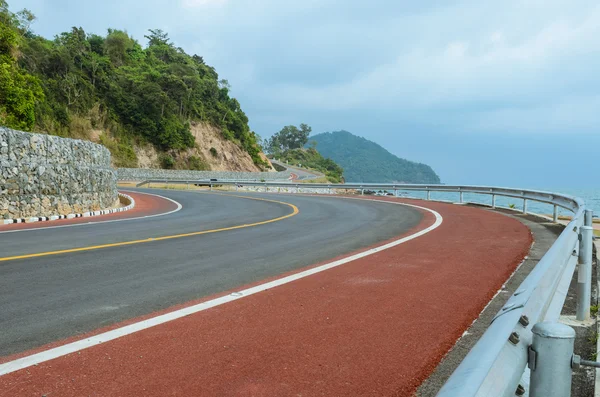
(486, 92)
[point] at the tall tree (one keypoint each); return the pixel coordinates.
(290, 137)
(18, 89)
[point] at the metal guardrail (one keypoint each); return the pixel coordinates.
(496, 365)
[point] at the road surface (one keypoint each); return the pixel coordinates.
(375, 324)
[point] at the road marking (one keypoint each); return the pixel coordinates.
(179, 207)
(294, 212)
(73, 347)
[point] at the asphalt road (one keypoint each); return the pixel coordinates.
(49, 298)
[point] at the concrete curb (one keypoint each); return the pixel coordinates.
(72, 216)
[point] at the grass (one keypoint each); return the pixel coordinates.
(597, 232)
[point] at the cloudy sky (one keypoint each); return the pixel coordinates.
(486, 92)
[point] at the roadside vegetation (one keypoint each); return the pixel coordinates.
(288, 145)
(78, 83)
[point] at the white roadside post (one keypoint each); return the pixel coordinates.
(584, 277)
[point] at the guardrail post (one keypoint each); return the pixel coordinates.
(493, 201)
(362, 192)
(555, 215)
(584, 273)
(461, 197)
(429, 195)
(589, 218)
(550, 358)
(211, 187)
(187, 185)
(525, 206)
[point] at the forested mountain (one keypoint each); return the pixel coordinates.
(366, 161)
(79, 82)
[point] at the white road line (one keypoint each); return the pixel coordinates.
(179, 206)
(73, 347)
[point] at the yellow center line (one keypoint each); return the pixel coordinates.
(152, 239)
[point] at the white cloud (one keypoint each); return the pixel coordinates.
(530, 63)
(415, 59)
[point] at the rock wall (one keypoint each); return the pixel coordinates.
(140, 174)
(45, 175)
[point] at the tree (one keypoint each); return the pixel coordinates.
(19, 90)
(290, 137)
(110, 82)
(157, 37)
(116, 46)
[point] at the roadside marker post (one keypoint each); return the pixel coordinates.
(584, 278)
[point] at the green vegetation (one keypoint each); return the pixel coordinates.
(213, 152)
(122, 153)
(290, 137)
(79, 82)
(166, 161)
(287, 145)
(197, 164)
(312, 159)
(366, 161)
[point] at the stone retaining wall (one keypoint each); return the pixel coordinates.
(142, 174)
(45, 175)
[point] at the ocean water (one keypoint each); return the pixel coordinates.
(590, 195)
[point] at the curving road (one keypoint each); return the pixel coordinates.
(58, 295)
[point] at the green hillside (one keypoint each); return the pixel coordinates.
(78, 83)
(366, 161)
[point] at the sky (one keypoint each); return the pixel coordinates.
(486, 92)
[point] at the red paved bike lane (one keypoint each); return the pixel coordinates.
(375, 326)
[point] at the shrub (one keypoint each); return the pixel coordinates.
(213, 152)
(166, 161)
(122, 153)
(197, 164)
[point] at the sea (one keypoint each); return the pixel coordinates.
(591, 196)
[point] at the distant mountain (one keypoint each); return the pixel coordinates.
(366, 161)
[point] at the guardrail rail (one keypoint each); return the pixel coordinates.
(524, 351)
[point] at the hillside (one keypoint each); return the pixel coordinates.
(366, 161)
(134, 99)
